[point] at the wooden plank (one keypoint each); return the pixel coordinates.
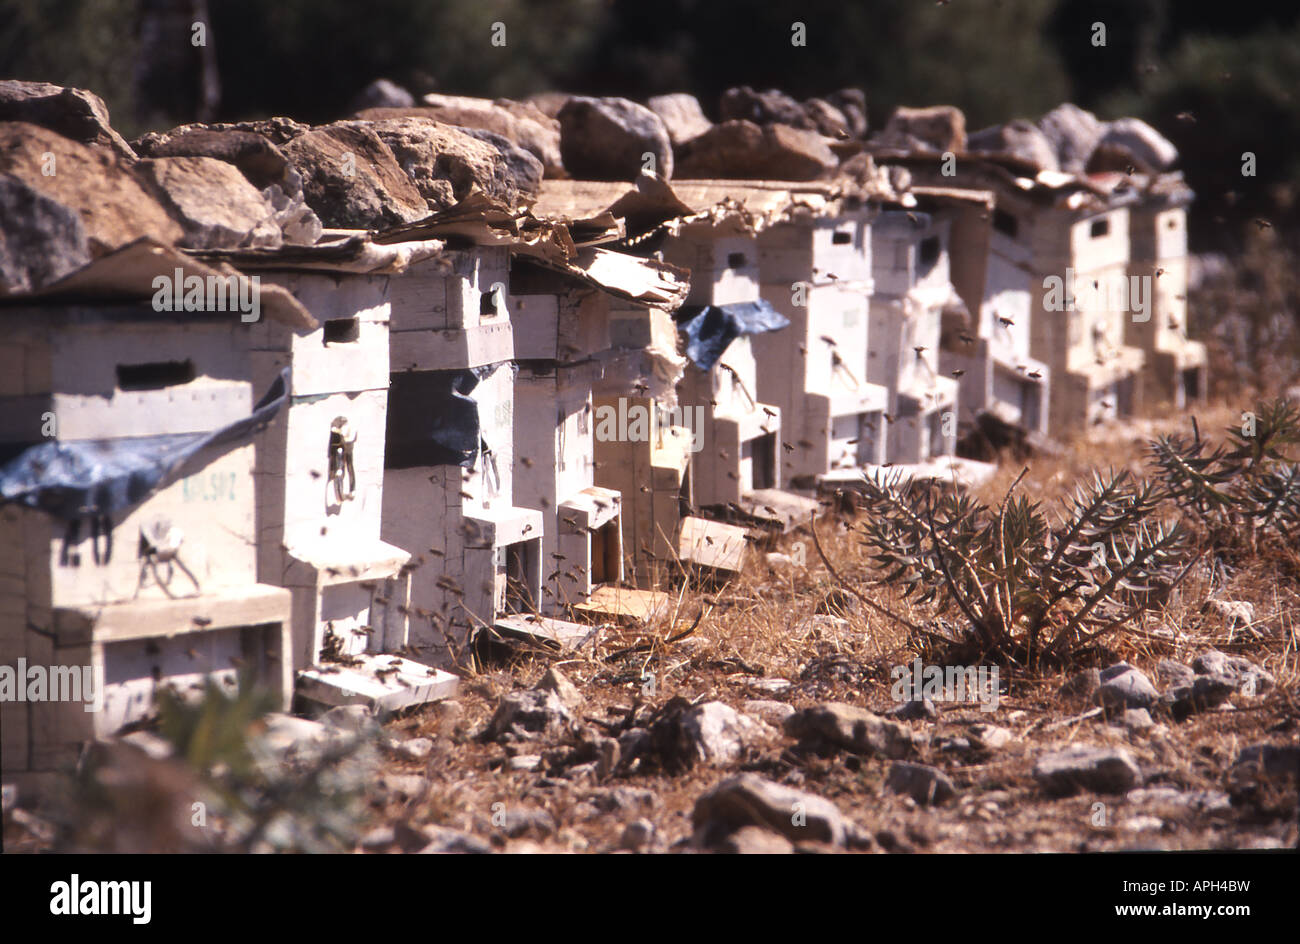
(624, 605)
(711, 544)
(381, 682)
(143, 619)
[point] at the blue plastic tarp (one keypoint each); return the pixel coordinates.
(72, 480)
(711, 331)
(433, 418)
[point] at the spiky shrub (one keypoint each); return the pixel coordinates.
(1030, 591)
(1241, 492)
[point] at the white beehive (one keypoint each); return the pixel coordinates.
(163, 591)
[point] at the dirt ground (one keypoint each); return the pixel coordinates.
(761, 628)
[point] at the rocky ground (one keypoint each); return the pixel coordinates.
(774, 728)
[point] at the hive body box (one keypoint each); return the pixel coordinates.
(991, 274)
(69, 598)
(1095, 375)
(1158, 252)
(320, 483)
(739, 439)
(912, 289)
(818, 274)
(475, 554)
(560, 327)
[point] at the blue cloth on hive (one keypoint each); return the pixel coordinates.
(709, 333)
(71, 480)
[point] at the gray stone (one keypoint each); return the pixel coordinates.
(1073, 133)
(682, 116)
(1137, 719)
(71, 112)
(1146, 145)
(256, 156)
(448, 163)
(443, 841)
(771, 686)
(518, 822)
(743, 103)
(381, 837)
(402, 786)
(744, 150)
(382, 93)
(351, 718)
(921, 709)
(528, 714)
(1276, 760)
(851, 728)
(556, 681)
(990, 736)
(750, 800)
(1206, 692)
(754, 840)
(415, 749)
(1084, 766)
(1019, 139)
(299, 224)
(1250, 679)
(773, 712)
(1171, 674)
(637, 834)
(940, 128)
(826, 118)
(1124, 686)
(377, 192)
(852, 103)
(41, 239)
(214, 203)
(1171, 801)
(715, 733)
(608, 138)
(521, 123)
(519, 167)
(924, 784)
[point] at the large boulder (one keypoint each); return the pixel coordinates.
(1147, 146)
(742, 103)
(682, 116)
(447, 162)
(939, 128)
(73, 113)
(742, 149)
(852, 103)
(351, 179)
(113, 205)
(1019, 139)
(1073, 134)
(257, 158)
(609, 138)
(522, 123)
(214, 203)
(41, 240)
(826, 118)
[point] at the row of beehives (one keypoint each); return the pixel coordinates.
(478, 436)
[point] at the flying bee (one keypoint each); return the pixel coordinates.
(528, 463)
(958, 372)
